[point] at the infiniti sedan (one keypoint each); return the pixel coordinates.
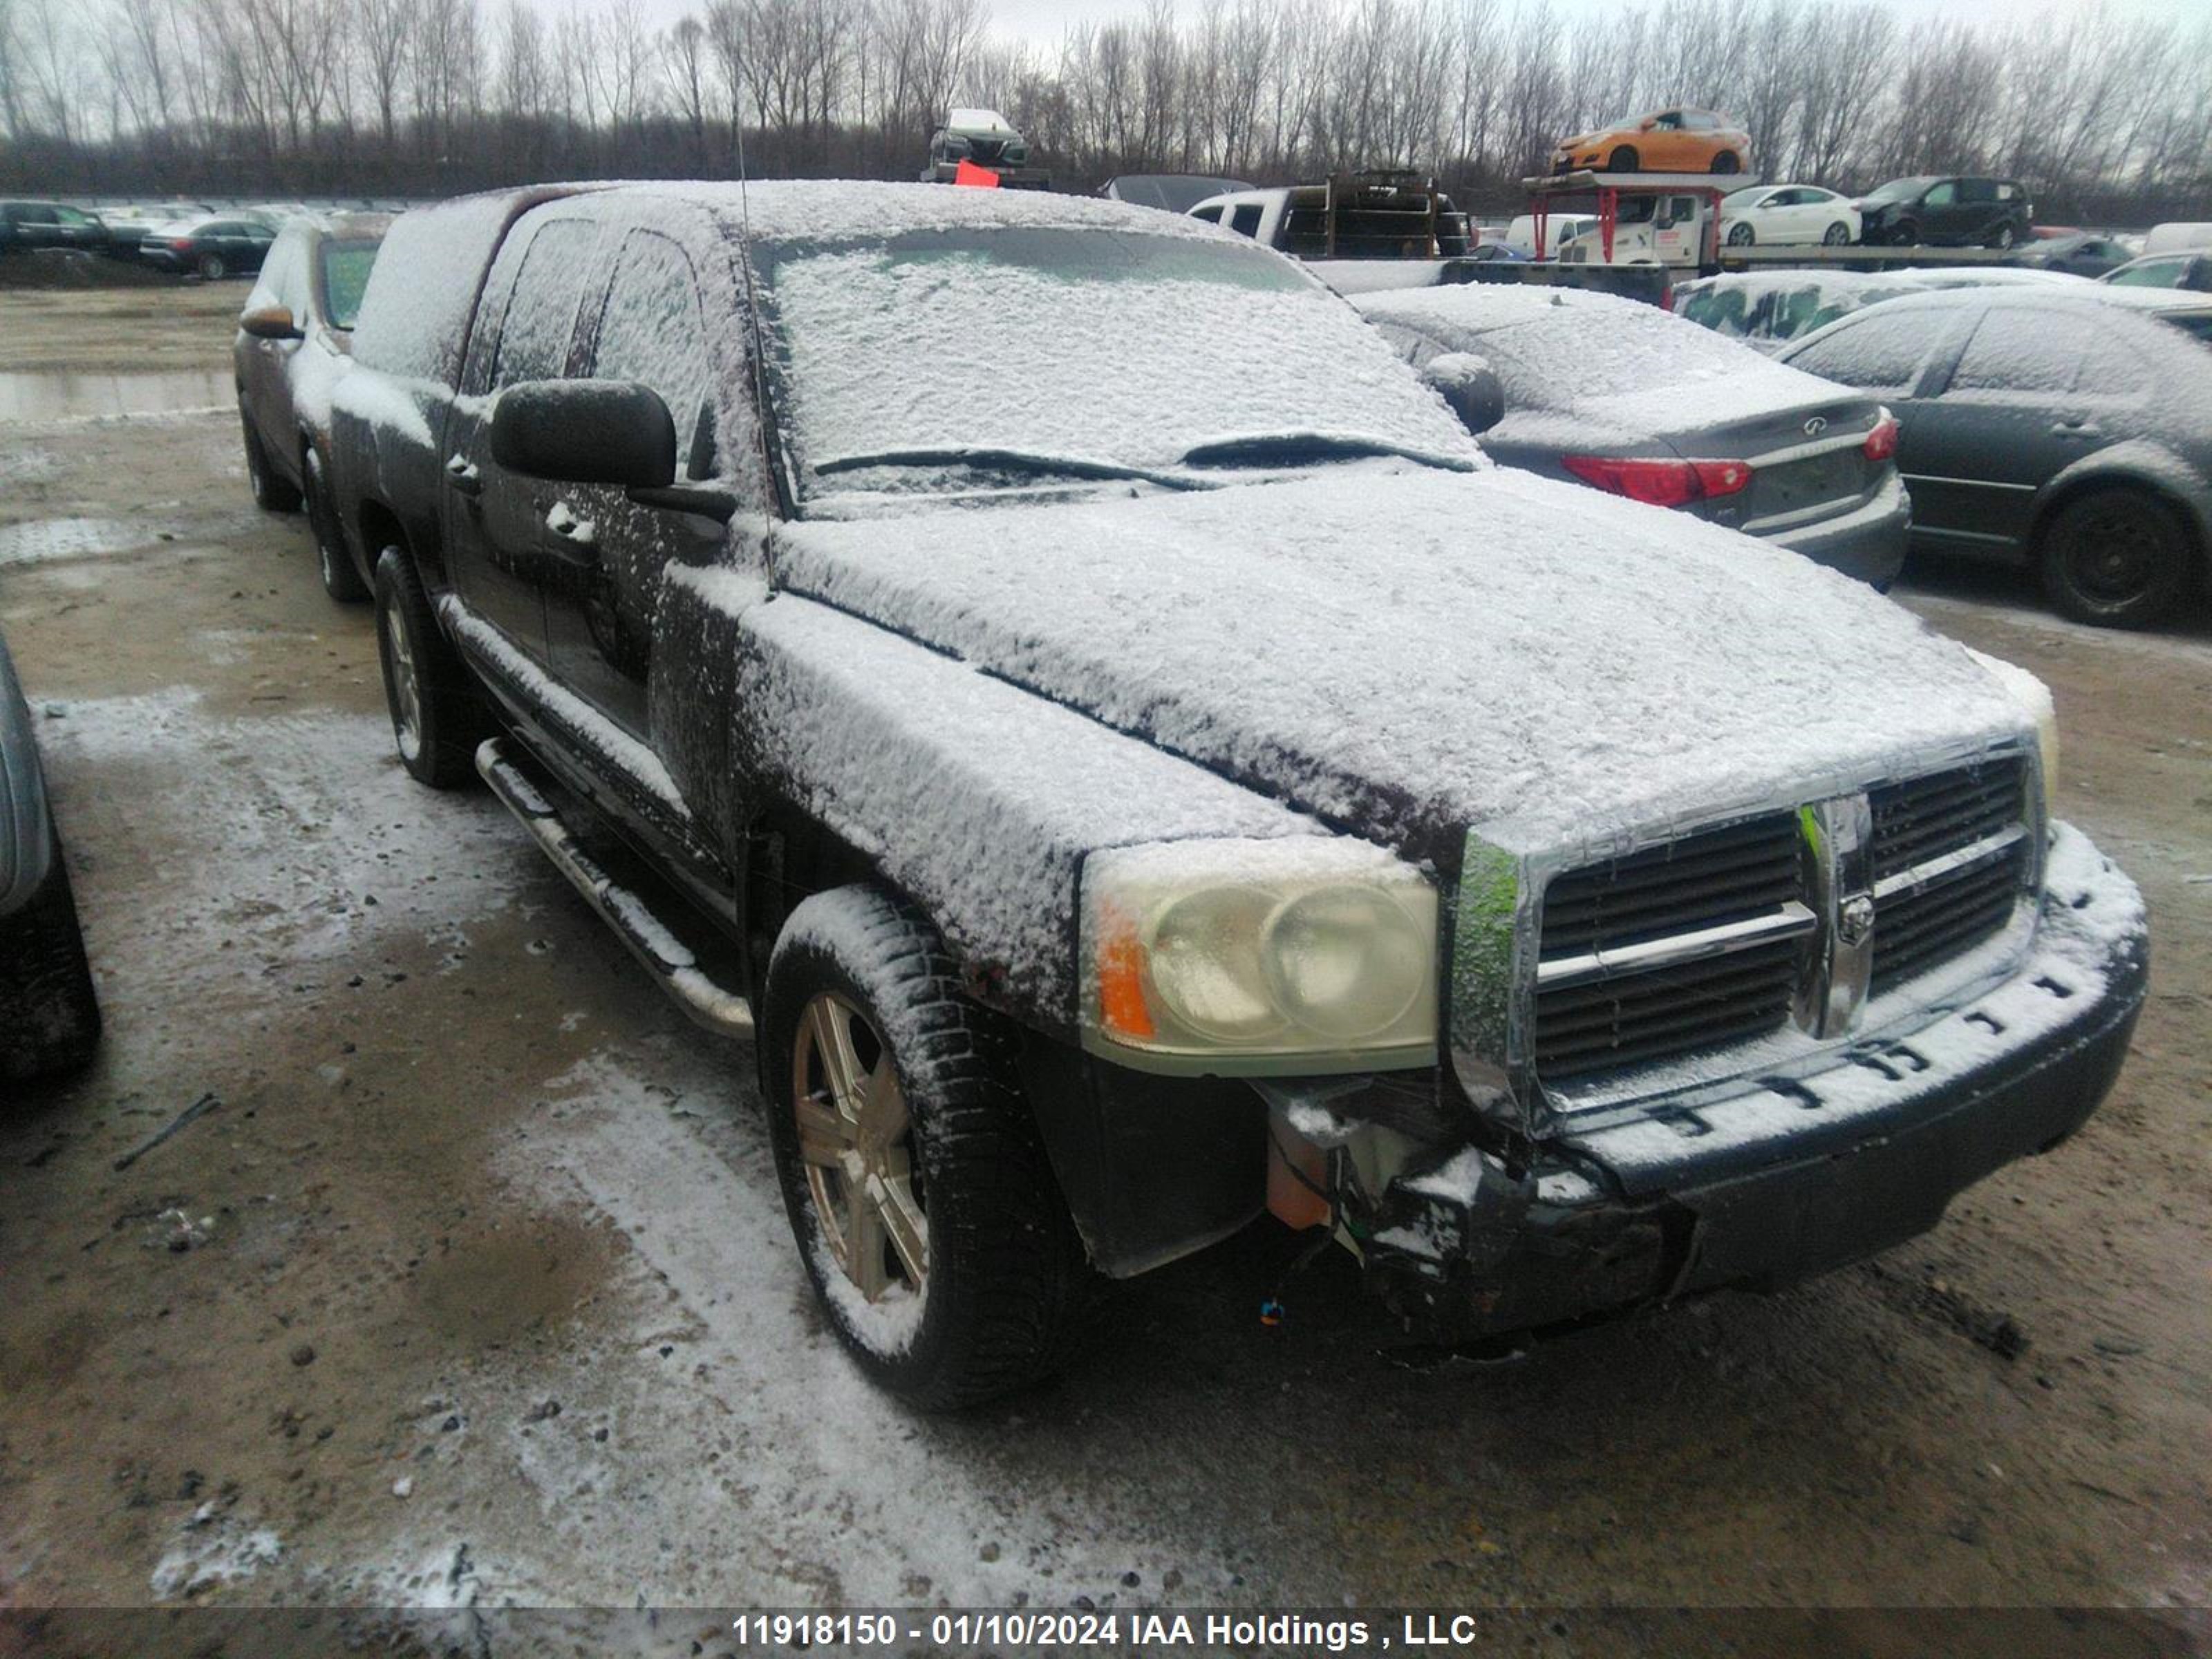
(1634, 401)
(2067, 427)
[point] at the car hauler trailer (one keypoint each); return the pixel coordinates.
(1643, 218)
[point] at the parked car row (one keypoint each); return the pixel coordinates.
(183, 238)
(1159, 771)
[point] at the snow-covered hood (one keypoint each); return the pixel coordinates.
(1408, 653)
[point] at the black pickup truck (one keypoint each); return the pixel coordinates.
(1053, 667)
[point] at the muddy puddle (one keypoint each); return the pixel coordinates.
(50, 396)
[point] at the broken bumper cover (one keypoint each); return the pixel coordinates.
(1775, 1184)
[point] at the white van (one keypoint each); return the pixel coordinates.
(2182, 235)
(1564, 228)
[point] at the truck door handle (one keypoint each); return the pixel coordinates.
(575, 541)
(2076, 426)
(463, 474)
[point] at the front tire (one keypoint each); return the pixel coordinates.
(2114, 558)
(271, 493)
(341, 580)
(437, 719)
(48, 1012)
(1623, 160)
(1726, 161)
(925, 1213)
(1741, 235)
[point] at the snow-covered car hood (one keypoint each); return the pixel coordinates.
(1408, 652)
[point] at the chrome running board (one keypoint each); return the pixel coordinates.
(650, 939)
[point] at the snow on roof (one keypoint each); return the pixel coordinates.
(1409, 652)
(851, 209)
(978, 121)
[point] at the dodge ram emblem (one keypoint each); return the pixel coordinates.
(1855, 919)
(1816, 426)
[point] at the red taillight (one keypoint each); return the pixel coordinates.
(1881, 442)
(1661, 483)
(182, 244)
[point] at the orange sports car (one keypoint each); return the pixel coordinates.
(1673, 140)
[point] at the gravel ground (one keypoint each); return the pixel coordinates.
(473, 1288)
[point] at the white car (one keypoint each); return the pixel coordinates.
(1782, 215)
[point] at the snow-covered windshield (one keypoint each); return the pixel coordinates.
(953, 359)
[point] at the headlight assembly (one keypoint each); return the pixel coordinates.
(1305, 954)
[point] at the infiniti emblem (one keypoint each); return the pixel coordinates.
(1816, 426)
(1855, 921)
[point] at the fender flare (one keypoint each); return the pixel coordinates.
(2139, 464)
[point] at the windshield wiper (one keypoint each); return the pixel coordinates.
(1304, 448)
(1007, 460)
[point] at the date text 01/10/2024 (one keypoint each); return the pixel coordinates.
(1022, 1628)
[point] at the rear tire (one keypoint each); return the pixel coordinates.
(1623, 160)
(1837, 235)
(1726, 161)
(271, 493)
(1741, 235)
(212, 269)
(917, 1145)
(341, 580)
(437, 720)
(49, 1012)
(2003, 237)
(2114, 558)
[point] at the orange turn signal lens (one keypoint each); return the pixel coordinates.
(1121, 1005)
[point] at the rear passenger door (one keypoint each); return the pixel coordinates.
(649, 326)
(2007, 419)
(495, 520)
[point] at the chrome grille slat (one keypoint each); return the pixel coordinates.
(1737, 873)
(1931, 906)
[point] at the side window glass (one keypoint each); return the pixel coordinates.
(1942, 195)
(541, 314)
(1244, 220)
(2152, 273)
(2107, 367)
(1211, 214)
(1876, 352)
(651, 330)
(2016, 350)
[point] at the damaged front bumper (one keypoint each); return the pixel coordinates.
(1788, 1178)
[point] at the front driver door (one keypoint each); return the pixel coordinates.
(600, 616)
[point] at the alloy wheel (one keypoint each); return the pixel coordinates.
(856, 1141)
(406, 687)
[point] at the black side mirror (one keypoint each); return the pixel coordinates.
(603, 432)
(1470, 386)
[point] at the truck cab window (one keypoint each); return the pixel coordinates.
(653, 330)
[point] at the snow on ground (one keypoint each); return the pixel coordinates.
(706, 1404)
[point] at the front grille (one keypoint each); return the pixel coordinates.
(1733, 874)
(1919, 925)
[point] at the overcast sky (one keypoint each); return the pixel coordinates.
(1043, 21)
